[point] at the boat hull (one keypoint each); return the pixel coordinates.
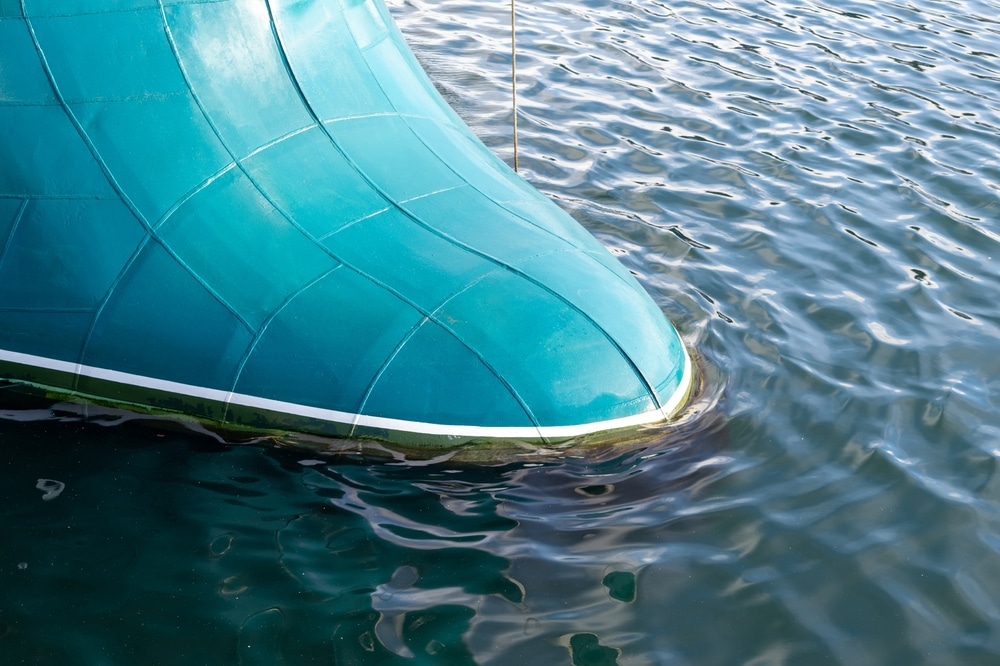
(263, 216)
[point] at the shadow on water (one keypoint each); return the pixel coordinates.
(261, 554)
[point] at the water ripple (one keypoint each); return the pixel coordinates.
(810, 190)
(814, 188)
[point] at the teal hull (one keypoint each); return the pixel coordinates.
(263, 216)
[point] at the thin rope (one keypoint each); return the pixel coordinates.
(513, 76)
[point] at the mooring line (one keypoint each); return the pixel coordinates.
(513, 75)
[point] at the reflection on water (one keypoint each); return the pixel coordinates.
(810, 190)
(259, 554)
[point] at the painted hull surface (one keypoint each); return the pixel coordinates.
(262, 215)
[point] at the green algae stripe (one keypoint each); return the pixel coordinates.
(151, 395)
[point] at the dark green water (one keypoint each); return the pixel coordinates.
(811, 191)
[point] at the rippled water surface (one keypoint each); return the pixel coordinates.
(810, 191)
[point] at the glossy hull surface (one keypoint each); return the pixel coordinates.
(262, 215)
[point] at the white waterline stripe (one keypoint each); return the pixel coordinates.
(346, 418)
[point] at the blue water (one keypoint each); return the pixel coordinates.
(811, 192)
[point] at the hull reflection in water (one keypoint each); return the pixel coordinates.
(294, 558)
(266, 218)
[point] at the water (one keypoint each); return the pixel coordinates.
(810, 191)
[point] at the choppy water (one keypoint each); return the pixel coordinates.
(811, 191)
